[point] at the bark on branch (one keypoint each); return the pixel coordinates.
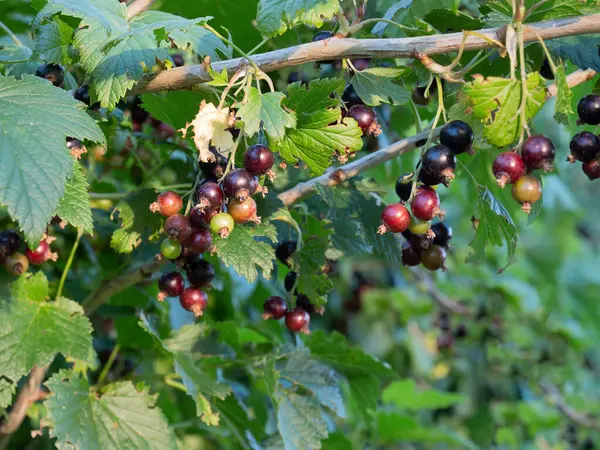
(138, 6)
(557, 399)
(337, 48)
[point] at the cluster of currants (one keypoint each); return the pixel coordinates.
(447, 337)
(585, 146)
(18, 263)
(219, 206)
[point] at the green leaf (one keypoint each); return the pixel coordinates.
(106, 13)
(136, 220)
(375, 86)
(299, 420)
(405, 395)
(495, 226)
(218, 79)
(35, 159)
(496, 102)
(74, 207)
(563, 108)
(580, 50)
(54, 42)
(276, 16)
(266, 109)
(551, 9)
(446, 19)
(120, 416)
(314, 140)
(14, 53)
(396, 8)
(33, 330)
(176, 108)
(7, 390)
(244, 253)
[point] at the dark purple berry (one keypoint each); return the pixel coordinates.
(350, 97)
(366, 119)
(213, 170)
(258, 159)
(508, 167)
(584, 146)
(238, 184)
(284, 250)
(138, 114)
(200, 241)
(170, 285)
(201, 219)
(538, 153)
(589, 109)
(290, 280)
(546, 70)
(592, 169)
(404, 186)
(457, 136)
(274, 308)
(439, 163)
(411, 254)
(297, 320)
(200, 274)
(10, 242)
(209, 196)
(193, 300)
(178, 227)
(51, 72)
(443, 234)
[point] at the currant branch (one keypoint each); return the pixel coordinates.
(557, 399)
(138, 6)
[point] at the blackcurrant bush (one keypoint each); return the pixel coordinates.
(508, 167)
(404, 186)
(366, 119)
(426, 204)
(443, 234)
(527, 190)
(201, 219)
(274, 308)
(411, 254)
(10, 242)
(178, 227)
(167, 204)
(193, 300)
(40, 254)
(238, 184)
(395, 218)
(17, 264)
(284, 250)
(290, 280)
(538, 153)
(258, 159)
(222, 224)
(51, 72)
(457, 136)
(546, 70)
(170, 285)
(350, 97)
(439, 163)
(588, 444)
(243, 212)
(434, 258)
(213, 170)
(589, 109)
(592, 169)
(209, 195)
(321, 36)
(200, 274)
(297, 320)
(170, 248)
(584, 146)
(200, 241)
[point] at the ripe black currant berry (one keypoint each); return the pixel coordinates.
(200, 274)
(321, 36)
(457, 136)
(361, 64)
(443, 234)
(304, 303)
(213, 170)
(258, 159)
(429, 180)
(10, 242)
(82, 94)
(284, 250)
(434, 258)
(274, 308)
(366, 119)
(17, 264)
(411, 254)
(297, 320)
(178, 227)
(589, 109)
(40, 254)
(193, 300)
(439, 163)
(200, 241)
(290, 280)
(51, 72)
(588, 444)
(508, 167)
(426, 204)
(170, 285)
(546, 70)
(350, 97)
(167, 204)
(538, 153)
(178, 59)
(584, 146)
(138, 114)
(404, 186)
(527, 191)
(592, 169)
(209, 196)
(461, 331)
(238, 184)
(395, 218)
(418, 94)
(422, 241)
(201, 219)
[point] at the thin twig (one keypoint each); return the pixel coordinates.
(427, 285)
(557, 399)
(63, 278)
(138, 6)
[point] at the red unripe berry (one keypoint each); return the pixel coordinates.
(193, 300)
(434, 258)
(592, 169)
(258, 159)
(274, 308)
(200, 241)
(170, 285)
(508, 167)
(167, 204)
(297, 320)
(366, 119)
(178, 227)
(41, 254)
(538, 153)
(426, 204)
(209, 196)
(395, 218)
(243, 212)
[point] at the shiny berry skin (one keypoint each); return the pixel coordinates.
(404, 186)
(274, 308)
(419, 227)
(170, 249)
(200, 241)
(592, 169)
(258, 159)
(365, 117)
(426, 204)
(243, 212)
(439, 163)
(589, 109)
(508, 167)
(238, 184)
(200, 274)
(411, 254)
(527, 191)
(297, 320)
(222, 224)
(457, 136)
(17, 264)
(201, 219)
(434, 258)
(178, 227)
(321, 36)
(167, 204)
(290, 280)
(51, 72)
(193, 300)
(170, 285)
(213, 170)
(538, 153)
(209, 195)
(10, 242)
(584, 146)
(395, 218)
(443, 234)
(429, 180)
(350, 97)
(39, 255)
(284, 250)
